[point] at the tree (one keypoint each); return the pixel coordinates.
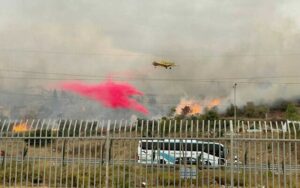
(211, 114)
(172, 111)
(279, 105)
(186, 110)
(38, 138)
(249, 109)
(291, 112)
(261, 111)
(230, 111)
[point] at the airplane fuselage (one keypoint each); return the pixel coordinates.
(163, 64)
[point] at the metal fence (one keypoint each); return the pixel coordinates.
(166, 153)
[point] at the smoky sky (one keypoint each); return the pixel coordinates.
(254, 43)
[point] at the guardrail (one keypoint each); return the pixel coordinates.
(145, 153)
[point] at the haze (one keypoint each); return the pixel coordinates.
(214, 43)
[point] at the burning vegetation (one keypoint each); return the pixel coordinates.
(22, 127)
(192, 107)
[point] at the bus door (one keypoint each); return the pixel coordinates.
(147, 153)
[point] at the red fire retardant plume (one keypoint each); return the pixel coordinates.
(110, 94)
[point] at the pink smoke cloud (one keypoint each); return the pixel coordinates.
(110, 94)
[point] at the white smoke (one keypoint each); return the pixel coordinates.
(208, 40)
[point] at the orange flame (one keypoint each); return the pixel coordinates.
(213, 103)
(196, 107)
(22, 127)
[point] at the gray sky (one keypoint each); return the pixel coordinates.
(207, 39)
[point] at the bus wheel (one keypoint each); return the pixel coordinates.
(207, 163)
(162, 161)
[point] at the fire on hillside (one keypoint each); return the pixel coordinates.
(22, 127)
(193, 107)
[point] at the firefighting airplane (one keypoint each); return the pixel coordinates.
(166, 64)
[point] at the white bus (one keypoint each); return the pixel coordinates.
(175, 151)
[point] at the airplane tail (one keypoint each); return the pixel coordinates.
(155, 63)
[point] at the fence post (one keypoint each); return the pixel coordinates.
(63, 152)
(231, 154)
(107, 155)
(3, 160)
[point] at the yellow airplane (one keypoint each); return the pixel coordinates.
(166, 64)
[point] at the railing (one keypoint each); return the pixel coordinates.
(92, 153)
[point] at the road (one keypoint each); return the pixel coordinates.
(60, 161)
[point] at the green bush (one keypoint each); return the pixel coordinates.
(38, 138)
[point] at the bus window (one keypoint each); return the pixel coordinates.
(172, 146)
(188, 146)
(178, 146)
(214, 149)
(211, 149)
(168, 146)
(217, 150)
(199, 147)
(149, 145)
(205, 148)
(144, 145)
